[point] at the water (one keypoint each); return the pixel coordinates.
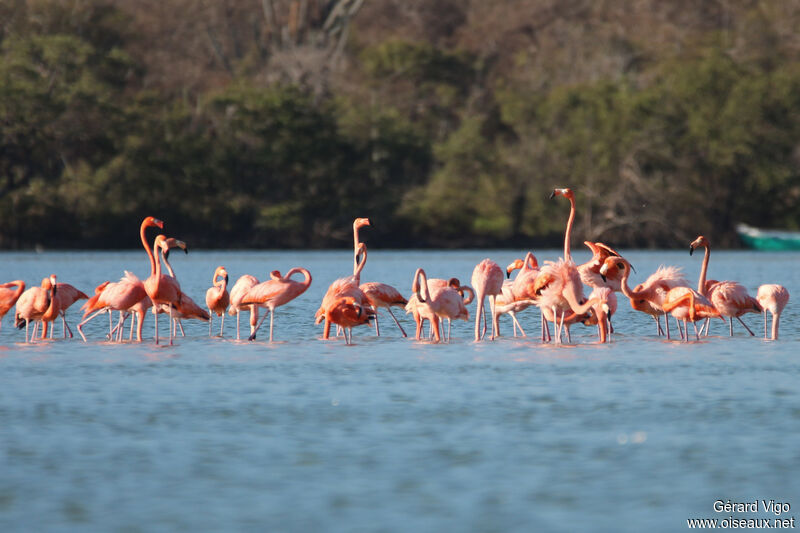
(391, 434)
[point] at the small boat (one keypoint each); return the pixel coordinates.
(766, 239)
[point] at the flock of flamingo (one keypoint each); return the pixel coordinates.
(557, 288)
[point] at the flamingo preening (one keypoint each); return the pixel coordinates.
(277, 291)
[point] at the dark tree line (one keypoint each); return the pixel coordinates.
(273, 123)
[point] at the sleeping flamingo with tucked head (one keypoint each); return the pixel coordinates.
(238, 292)
(487, 280)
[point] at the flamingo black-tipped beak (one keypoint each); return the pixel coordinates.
(252, 337)
(691, 250)
(166, 254)
(553, 194)
(226, 278)
(604, 277)
(159, 223)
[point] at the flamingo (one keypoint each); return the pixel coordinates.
(279, 290)
(689, 305)
(772, 298)
(37, 303)
(382, 295)
(647, 297)
(436, 285)
(435, 301)
(8, 297)
(217, 297)
(730, 298)
(118, 296)
(590, 271)
(185, 307)
(238, 292)
(67, 295)
(161, 289)
(347, 312)
(560, 290)
(603, 311)
(519, 294)
(487, 280)
(345, 287)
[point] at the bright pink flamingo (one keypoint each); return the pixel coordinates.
(161, 289)
(690, 306)
(345, 287)
(277, 291)
(217, 297)
(487, 280)
(772, 298)
(185, 307)
(647, 297)
(37, 304)
(118, 296)
(561, 292)
(435, 286)
(590, 271)
(603, 311)
(9, 297)
(347, 313)
(238, 292)
(728, 297)
(67, 295)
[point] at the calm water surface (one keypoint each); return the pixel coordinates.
(391, 434)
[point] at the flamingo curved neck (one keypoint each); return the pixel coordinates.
(300, 270)
(147, 248)
(421, 280)
(359, 266)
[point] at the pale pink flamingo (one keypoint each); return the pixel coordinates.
(9, 297)
(647, 297)
(602, 311)
(772, 298)
(276, 292)
(121, 296)
(730, 298)
(560, 292)
(435, 286)
(37, 304)
(487, 280)
(217, 297)
(238, 292)
(161, 289)
(185, 307)
(381, 295)
(67, 295)
(590, 271)
(345, 287)
(436, 301)
(347, 313)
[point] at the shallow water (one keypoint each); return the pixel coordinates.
(391, 434)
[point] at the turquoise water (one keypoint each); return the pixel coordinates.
(391, 434)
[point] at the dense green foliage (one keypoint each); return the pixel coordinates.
(440, 142)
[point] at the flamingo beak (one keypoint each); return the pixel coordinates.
(553, 194)
(158, 223)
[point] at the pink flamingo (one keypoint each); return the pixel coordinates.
(690, 306)
(217, 298)
(435, 286)
(67, 295)
(276, 292)
(118, 296)
(161, 289)
(519, 294)
(647, 297)
(772, 298)
(381, 295)
(37, 304)
(185, 307)
(487, 280)
(238, 292)
(560, 291)
(8, 297)
(590, 271)
(345, 287)
(728, 297)
(347, 313)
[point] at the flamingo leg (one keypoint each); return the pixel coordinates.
(745, 327)
(495, 323)
(272, 315)
(449, 325)
(377, 329)
(80, 326)
(696, 334)
(237, 326)
(222, 325)
(258, 325)
(483, 332)
(170, 321)
(765, 323)
(155, 314)
(210, 320)
(395, 321)
(516, 323)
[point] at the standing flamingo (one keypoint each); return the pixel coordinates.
(8, 297)
(560, 292)
(118, 296)
(590, 271)
(487, 280)
(690, 306)
(67, 295)
(37, 304)
(238, 292)
(161, 289)
(435, 286)
(277, 291)
(347, 313)
(217, 298)
(772, 298)
(185, 307)
(728, 297)
(345, 287)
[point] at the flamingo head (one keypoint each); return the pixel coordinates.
(275, 275)
(453, 283)
(360, 223)
(566, 193)
(151, 222)
(699, 241)
(612, 265)
(515, 265)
